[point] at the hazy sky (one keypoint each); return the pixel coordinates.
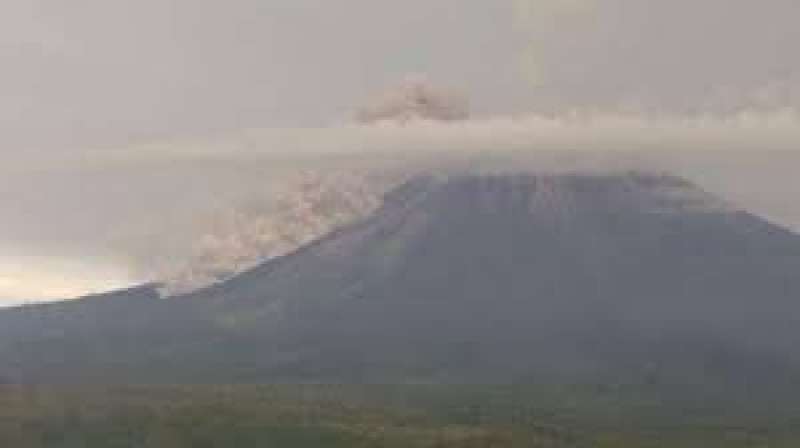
(89, 72)
(84, 79)
(108, 71)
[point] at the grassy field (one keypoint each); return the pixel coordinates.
(410, 416)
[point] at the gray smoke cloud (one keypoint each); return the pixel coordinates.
(304, 207)
(239, 237)
(415, 98)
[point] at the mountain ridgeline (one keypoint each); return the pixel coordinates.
(606, 278)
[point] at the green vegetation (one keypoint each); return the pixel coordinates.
(411, 416)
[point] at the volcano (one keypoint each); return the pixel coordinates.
(464, 278)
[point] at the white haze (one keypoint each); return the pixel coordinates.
(743, 132)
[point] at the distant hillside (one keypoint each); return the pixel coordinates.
(623, 278)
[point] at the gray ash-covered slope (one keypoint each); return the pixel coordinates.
(471, 278)
(506, 276)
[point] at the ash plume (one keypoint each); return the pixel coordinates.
(415, 98)
(236, 239)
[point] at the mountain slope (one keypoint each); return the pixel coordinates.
(625, 277)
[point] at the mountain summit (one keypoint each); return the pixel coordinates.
(599, 277)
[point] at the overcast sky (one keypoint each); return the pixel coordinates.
(108, 71)
(116, 75)
(105, 72)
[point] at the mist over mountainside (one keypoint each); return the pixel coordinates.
(614, 278)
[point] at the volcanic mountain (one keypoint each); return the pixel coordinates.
(464, 278)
